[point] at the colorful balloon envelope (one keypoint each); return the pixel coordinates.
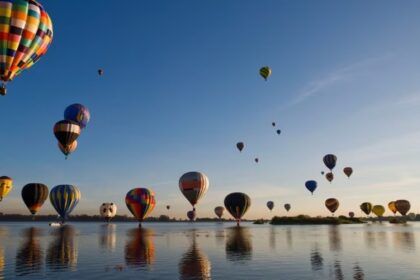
(366, 207)
(78, 114)
(265, 72)
(348, 171)
(330, 161)
(329, 176)
(287, 207)
(66, 132)
(219, 211)
(403, 206)
(311, 185)
(193, 186)
(240, 146)
(34, 196)
(237, 204)
(191, 215)
(64, 199)
(27, 33)
(6, 185)
(332, 204)
(67, 150)
(108, 210)
(351, 215)
(392, 207)
(140, 202)
(378, 210)
(270, 205)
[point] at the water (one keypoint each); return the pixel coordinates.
(209, 251)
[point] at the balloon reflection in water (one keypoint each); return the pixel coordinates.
(238, 244)
(63, 251)
(194, 263)
(334, 236)
(108, 236)
(3, 233)
(358, 273)
(405, 240)
(317, 261)
(29, 257)
(140, 248)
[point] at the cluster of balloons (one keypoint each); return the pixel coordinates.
(76, 117)
(27, 33)
(330, 162)
(402, 206)
(270, 206)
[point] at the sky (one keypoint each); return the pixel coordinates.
(181, 87)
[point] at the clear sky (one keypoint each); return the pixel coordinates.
(181, 87)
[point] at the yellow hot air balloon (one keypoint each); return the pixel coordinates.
(378, 210)
(392, 207)
(6, 185)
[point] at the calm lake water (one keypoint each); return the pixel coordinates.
(209, 251)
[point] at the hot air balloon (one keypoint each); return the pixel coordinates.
(67, 150)
(351, 215)
(278, 131)
(168, 207)
(273, 124)
(6, 185)
(392, 207)
(66, 132)
(270, 205)
(237, 204)
(403, 206)
(311, 186)
(64, 199)
(287, 207)
(240, 146)
(378, 210)
(78, 114)
(26, 34)
(330, 161)
(34, 196)
(332, 204)
(348, 171)
(100, 72)
(140, 202)
(191, 215)
(366, 207)
(219, 211)
(329, 176)
(108, 210)
(322, 172)
(265, 72)
(256, 160)
(193, 186)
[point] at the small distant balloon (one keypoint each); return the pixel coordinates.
(330, 161)
(100, 72)
(168, 207)
(256, 160)
(287, 207)
(240, 146)
(219, 211)
(378, 210)
(278, 131)
(311, 186)
(270, 205)
(348, 171)
(366, 207)
(322, 172)
(273, 124)
(403, 206)
(329, 176)
(265, 72)
(332, 204)
(351, 215)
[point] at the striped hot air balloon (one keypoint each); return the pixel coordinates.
(193, 186)
(366, 207)
(6, 185)
(25, 36)
(34, 196)
(140, 202)
(66, 132)
(67, 150)
(332, 204)
(237, 204)
(265, 72)
(77, 113)
(64, 199)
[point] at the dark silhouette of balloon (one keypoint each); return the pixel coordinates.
(366, 207)
(403, 206)
(273, 124)
(322, 172)
(329, 176)
(191, 215)
(29, 258)
(348, 171)
(311, 186)
(100, 72)
(219, 211)
(287, 207)
(351, 215)
(330, 161)
(332, 204)
(278, 131)
(265, 72)
(237, 204)
(168, 207)
(256, 160)
(270, 205)
(34, 196)
(240, 146)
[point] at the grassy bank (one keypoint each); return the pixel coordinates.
(307, 220)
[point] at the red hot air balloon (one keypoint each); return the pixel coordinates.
(348, 171)
(332, 204)
(140, 202)
(193, 186)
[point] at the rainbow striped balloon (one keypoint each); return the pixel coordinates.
(140, 202)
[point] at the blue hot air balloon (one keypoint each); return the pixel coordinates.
(64, 199)
(330, 161)
(77, 113)
(311, 185)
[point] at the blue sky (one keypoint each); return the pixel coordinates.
(181, 87)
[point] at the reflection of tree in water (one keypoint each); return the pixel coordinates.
(334, 236)
(405, 240)
(140, 248)
(358, 272)
(62, 253)
(317, 261)
(29, 258)
(194, 263)
(238, 244)
(108, 236)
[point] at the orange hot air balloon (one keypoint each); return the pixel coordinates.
(332, 204)
(140, 202)
(392, 208)
(403, 206)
